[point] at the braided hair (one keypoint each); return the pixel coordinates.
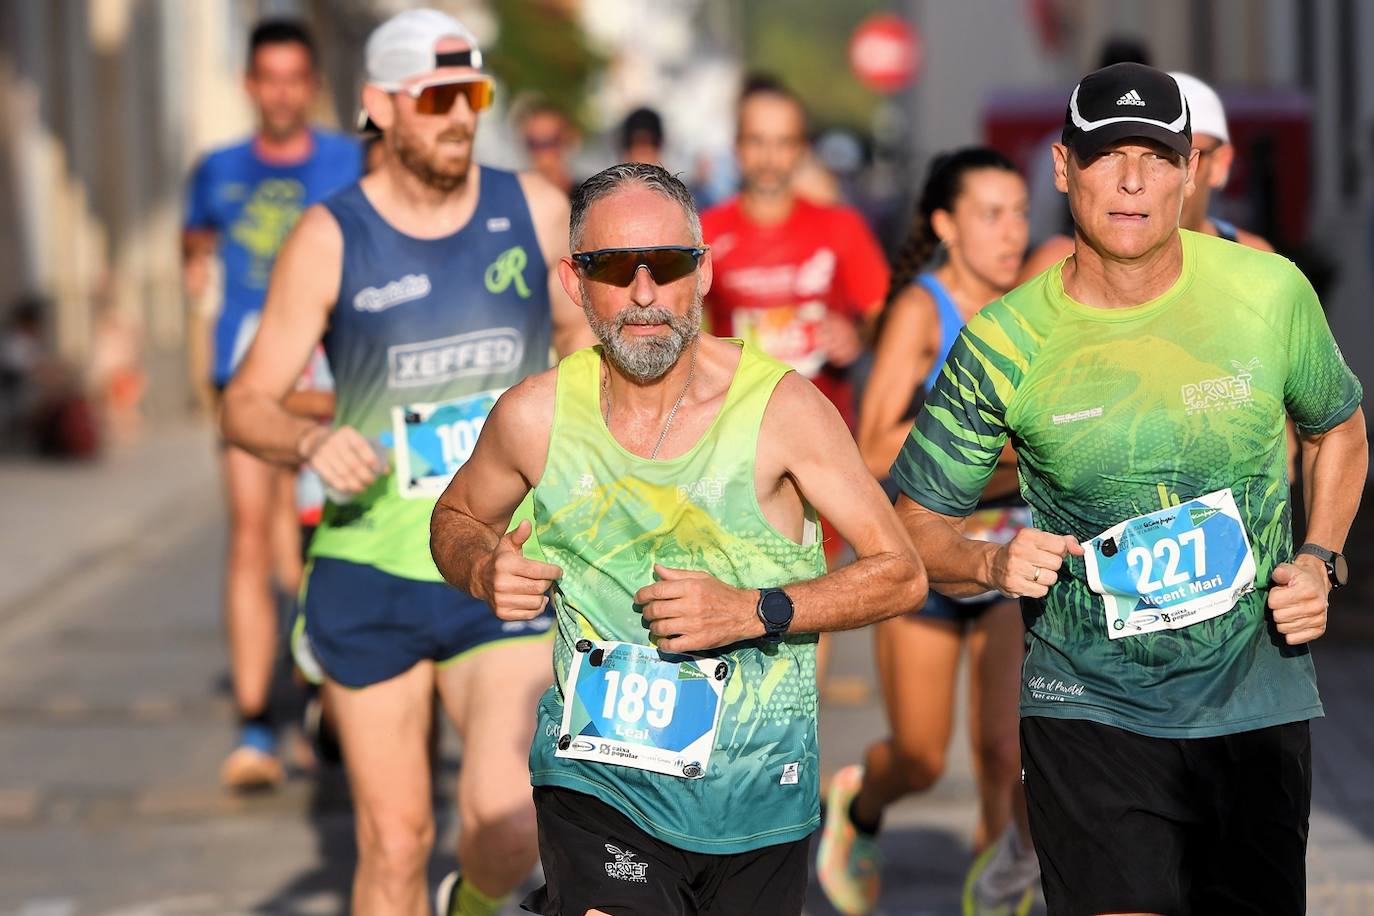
(944, 184)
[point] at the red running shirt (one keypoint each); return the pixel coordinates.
(775, 284)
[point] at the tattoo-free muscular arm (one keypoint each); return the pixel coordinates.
(1334, 464)
(549, 210)
(1027, 566)
(300, 294)
(507, 462)
(956, 566)
(805, 437)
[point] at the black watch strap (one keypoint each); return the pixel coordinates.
(1334, 562)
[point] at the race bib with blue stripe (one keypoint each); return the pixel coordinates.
(432, 441)
(630, 705)
(1172, 568)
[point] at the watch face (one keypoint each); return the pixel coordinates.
(777, 608)
(1340, 570)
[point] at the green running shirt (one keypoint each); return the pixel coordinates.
(606, 516)
(1117, 413)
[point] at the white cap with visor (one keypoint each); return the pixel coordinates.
(402, 48)
(1209, 117)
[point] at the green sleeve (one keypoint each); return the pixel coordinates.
(958, 436)
(1320, 392)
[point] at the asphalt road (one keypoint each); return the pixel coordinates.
(114, 717)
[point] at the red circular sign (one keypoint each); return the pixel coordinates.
(885, 52)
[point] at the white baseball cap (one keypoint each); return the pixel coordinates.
(1209, 117)
(403, 47)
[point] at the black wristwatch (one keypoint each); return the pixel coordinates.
(775, 610)
(1336, 570)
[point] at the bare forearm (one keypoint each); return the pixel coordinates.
(956, 566)
(256, 422)
(1334, 468)
(873, 588)
(460, 544)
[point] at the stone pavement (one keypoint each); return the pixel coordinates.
(114, 717)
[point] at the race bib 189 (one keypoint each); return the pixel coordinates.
(1172, 568)
(433, 440)
(629, 705)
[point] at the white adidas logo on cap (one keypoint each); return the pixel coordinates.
(1131, 98)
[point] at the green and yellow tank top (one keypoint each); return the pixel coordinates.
(606, 516)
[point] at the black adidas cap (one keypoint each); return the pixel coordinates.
(1127, 100)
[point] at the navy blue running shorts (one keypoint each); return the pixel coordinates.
(963, 613)
(362, 626)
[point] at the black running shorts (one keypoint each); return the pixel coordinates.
(1187, 827)
(595, 858)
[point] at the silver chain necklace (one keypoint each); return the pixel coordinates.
(667, 424)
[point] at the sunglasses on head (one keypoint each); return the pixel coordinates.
(618, 266)
(438, 99)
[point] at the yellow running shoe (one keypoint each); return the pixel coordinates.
(1002, 880)
(848, 862)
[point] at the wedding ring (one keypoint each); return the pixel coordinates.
(1036, 576)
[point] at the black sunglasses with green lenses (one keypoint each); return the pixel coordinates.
(618, 266)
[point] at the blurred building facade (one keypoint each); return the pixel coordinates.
(107, 103)
(1298, 54)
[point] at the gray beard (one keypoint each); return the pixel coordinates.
(644, 359)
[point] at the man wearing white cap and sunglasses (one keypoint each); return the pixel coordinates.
(1167, 684)
(431, 283)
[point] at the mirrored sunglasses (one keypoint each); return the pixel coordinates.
(438, 99)
(618, 266)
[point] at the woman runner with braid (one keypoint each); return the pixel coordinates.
(973, 208)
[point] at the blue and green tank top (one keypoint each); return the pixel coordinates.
(425, 335)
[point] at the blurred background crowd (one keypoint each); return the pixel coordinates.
(108, 103)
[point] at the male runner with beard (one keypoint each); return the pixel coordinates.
(243, 200)
(431, 284)
(676, 479)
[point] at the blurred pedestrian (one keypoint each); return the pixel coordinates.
(41, 398)
(243, 200)
(641, 137)
(963, 251)
(550, 140)
(799, 281)
(116, 376)
(431, 284)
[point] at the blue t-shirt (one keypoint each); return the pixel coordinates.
(252, 205)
